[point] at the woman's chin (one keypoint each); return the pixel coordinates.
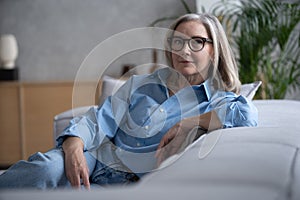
(187, 71)
(192, 75)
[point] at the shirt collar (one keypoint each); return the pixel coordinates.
(207, 85)
(207, 88)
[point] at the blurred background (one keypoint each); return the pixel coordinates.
(55, 36)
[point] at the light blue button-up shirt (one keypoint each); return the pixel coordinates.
(138, 115)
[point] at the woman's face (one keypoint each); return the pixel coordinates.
(193, 65)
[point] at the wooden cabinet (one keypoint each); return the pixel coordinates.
(26, 115)
(10, 124)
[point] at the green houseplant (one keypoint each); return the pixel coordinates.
(265, 36)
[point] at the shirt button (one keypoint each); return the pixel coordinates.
(120, 150)
(146, 127)
(161, 110)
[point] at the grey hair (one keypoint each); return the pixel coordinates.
(224, 64)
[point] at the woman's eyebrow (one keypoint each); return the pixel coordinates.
(194, 36)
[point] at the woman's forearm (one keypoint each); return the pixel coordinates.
(209, 121)
(71, 144)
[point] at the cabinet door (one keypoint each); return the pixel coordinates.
(10, 130)
(40, 103)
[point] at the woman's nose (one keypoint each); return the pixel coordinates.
(186, 49)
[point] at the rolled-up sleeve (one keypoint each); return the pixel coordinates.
(92, 127)
(238, 111)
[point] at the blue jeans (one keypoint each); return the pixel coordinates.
(46, 171)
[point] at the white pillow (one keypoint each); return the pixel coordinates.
(248, 90)
(109, 86)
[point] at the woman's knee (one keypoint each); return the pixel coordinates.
(45, 165)
(41, 170)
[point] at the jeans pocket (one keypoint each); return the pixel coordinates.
(105, 175)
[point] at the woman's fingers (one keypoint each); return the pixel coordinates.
(172, 141)
(161, 145)
(85, 180)
(72, 175)
(77, 171)
(170, 149)
(166, 140)
(76, 167)
(165, 147)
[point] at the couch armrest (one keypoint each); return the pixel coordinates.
(62, 120)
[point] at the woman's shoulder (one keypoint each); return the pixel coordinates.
(156, 75)
(220, 96)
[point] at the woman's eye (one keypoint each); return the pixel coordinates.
(198, 41)
(177, 42)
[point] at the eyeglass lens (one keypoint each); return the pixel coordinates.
(195, 44)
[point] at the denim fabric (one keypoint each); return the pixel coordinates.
(105, 175)
(46, 171)
(40, 171)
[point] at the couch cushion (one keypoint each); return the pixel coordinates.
(249, 89)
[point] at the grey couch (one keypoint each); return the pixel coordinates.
(246, 163)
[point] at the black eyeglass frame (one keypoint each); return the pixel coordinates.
(204, 40)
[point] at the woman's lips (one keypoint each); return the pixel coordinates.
(185, 61)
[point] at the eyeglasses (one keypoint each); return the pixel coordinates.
(195, 43)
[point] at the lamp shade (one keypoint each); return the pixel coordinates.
(8, 51)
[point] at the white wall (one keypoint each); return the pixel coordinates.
(55, 36)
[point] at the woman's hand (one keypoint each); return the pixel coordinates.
(175, 137)
(75, 162)
(173, 140)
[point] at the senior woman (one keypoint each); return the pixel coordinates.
(149, 117)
